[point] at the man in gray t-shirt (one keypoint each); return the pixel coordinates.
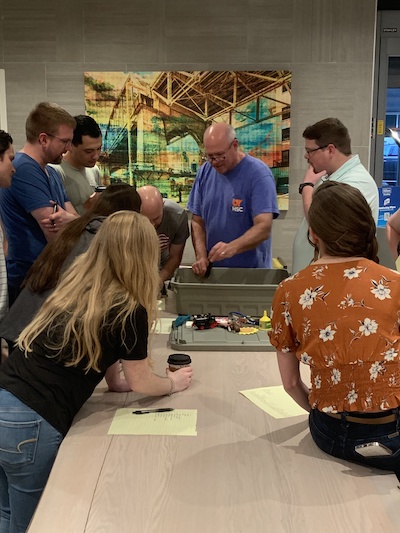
(78, 167)
(171, 223)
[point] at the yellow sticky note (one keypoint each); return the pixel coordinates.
(274, 401)
(398, 264)
(181, 422)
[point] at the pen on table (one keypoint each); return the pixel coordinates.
(149, 411)
(55, 208)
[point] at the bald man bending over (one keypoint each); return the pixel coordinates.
(171, 223)
(233, 202)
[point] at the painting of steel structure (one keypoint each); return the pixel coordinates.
(153, 123)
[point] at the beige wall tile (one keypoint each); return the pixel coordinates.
(46, 46)
(122, 30)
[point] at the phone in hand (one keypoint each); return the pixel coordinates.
(373, 449)
(55, 209)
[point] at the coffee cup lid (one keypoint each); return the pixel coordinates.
(179, 359)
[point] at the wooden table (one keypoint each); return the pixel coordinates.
(245, 472)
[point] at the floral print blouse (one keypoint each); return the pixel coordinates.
(342, 319)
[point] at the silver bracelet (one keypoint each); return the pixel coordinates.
(172, 386)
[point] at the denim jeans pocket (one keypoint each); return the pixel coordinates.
(18, 442)
(322, 435)
(384, 462)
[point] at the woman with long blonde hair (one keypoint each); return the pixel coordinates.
(58, 255)
(99, 314)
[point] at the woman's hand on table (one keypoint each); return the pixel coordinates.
(181, 378)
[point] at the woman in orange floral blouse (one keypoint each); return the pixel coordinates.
(341, 315)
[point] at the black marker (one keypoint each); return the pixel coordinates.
(149, 411)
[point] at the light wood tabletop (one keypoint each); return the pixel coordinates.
(245, 472)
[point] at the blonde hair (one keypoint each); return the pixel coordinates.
(100, 291)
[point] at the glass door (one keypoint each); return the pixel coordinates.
(385, 153)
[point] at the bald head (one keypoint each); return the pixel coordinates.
(219, 132)
(221, 147)
(152, 204)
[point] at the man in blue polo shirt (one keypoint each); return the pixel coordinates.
(36, 206)
(233, 202)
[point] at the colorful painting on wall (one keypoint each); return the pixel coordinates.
(153, 123)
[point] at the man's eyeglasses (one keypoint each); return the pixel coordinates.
(66, 142)
(310, 151)
(218, 157)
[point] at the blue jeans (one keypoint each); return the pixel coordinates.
(28, 448)
(339, 438)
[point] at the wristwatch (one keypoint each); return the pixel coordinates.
(306, 184)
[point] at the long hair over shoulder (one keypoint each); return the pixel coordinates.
(100, 291)
(45, 272)
(341, 217)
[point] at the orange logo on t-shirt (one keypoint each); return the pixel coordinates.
(237, 205)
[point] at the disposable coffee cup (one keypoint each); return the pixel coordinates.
(178, 360)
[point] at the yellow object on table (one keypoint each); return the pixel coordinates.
(247, 331)
(265, 322)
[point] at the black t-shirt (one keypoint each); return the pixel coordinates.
(57, 392)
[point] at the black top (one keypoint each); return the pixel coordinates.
(28, 303)
(56, 392)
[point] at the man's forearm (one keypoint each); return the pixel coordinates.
(306, 196)
(252, 237)
(393, 238)
(199, 239)
(167, 271)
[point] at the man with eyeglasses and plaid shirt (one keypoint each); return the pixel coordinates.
(328, 153)
(233, 203)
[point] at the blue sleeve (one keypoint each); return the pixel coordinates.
(195, 199)
(30, 188)
(57, 187)
(263, 194)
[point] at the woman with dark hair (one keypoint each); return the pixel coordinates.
(340, 315)
(6, 171)
(6, 157)
(56, 257)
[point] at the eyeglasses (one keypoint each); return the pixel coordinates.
(66, 142)
(218, 157)
(310, 151)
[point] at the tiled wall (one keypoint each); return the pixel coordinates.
(46, 45)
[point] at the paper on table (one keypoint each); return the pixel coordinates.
(163, 325)
(177, 422)
(274, 401)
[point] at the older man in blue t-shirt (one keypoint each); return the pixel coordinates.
(233, 202)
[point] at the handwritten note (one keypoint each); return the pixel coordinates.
(181, 422)
(274, 401)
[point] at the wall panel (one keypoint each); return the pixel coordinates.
(45, 47)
